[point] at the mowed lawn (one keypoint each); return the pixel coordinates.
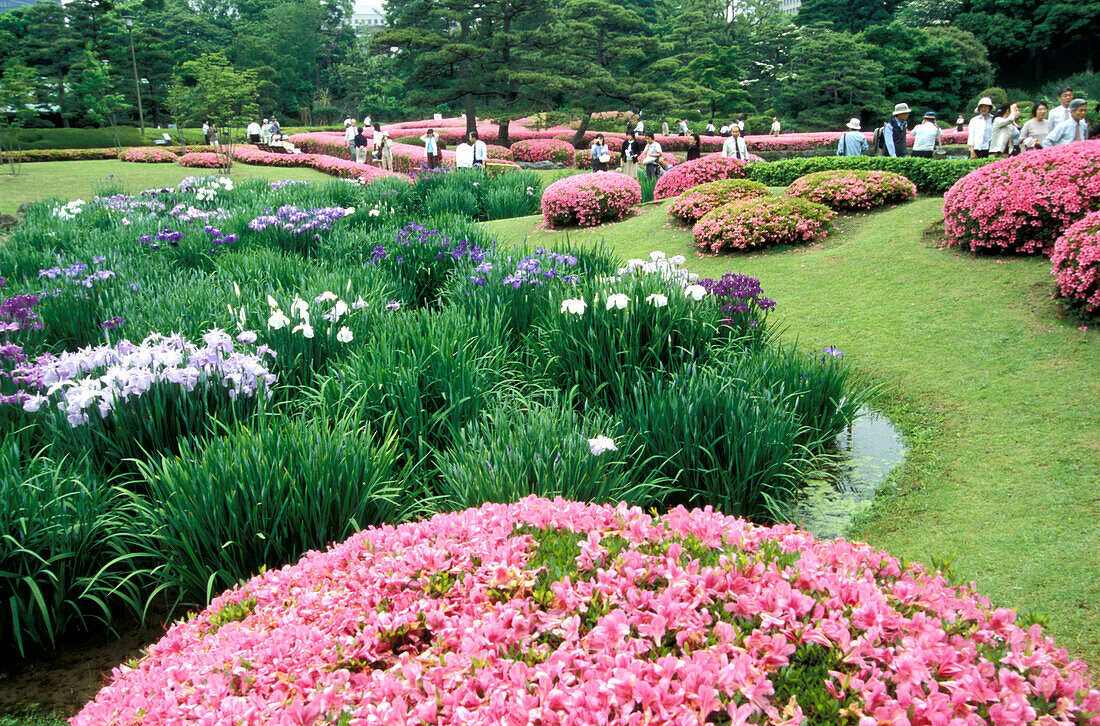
(999, 399)
(78, 179)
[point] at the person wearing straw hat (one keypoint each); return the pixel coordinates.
(893, 135)
(1074, 128)
(852, 142)
(926, 136)
(981, 129)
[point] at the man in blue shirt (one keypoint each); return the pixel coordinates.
(1074, 128)
(893, 135)
(852, 143)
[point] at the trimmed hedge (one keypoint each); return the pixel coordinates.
(932, 176)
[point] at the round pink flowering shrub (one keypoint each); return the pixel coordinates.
(148, 155)
(699, 201)
(557, 612)
(693, 173)
(1076, 263)
(589, 199)
(762, 222)
(1023, 203)
(853, 188)
(201, 159)
(554, 150)
(498, 152)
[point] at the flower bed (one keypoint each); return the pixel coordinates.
(589, 199)
(201, 160)
(932, 176)
(567, 613)
(853, 189)
(700, 200)
(554, 150)
(148, 155)
(762, 222)
(407, 158)
(498, 152)
(693, 173)
(1076, 263)
(323, 163)
(1023, 203)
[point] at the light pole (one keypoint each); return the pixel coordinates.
(137, 86)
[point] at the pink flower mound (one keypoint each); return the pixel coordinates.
(1023, 203)
(498, 152)
(148, 155)
(762, 222)
(201, 159)
(853, 188)
(693, 173)
(701, 200)
(568, 613)
(554, 150)
(588, 199)
(1076, 263)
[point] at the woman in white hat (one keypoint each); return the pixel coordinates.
(926, 137)
(852, 142)
(981, 129)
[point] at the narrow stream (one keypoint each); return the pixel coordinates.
(865, 454)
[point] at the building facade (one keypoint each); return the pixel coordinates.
(364, 18)
(790, 7)
(6, 5)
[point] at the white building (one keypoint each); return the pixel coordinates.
(367, 18)
(790, 7)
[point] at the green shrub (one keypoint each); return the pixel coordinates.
(932, 176)
(518, 448)
(255, 498)
(69, 550)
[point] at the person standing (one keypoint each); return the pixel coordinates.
(1074, 128)
(600, 157)
(1036, 128)
(481, 151)
(651, 157)
(960, 122)
(253, 132)
(852, 142)
(1061, 112)
(734, 147)
(431, 148)
(725, 130)
(385, 151)
(464, 154)
(376, 141)
(206, 132)
(710, 128)
(664, 128)
(776, 126)
(981, 129)
(639, 128)
(895, 133)
(349, 138)
(684, 130)
(275, 130)
(632, 149)
(1004, 125)
(361, 142)
(926, 137)
(696, 149)
(366, 121)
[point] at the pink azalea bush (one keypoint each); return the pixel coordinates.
(1076, 263)
(853, 188)
(201, 159)
(701, 200)
(407, 158)
(148, 155)
(498, 152)
(693, 173)
(1023, 203)
(762, 222)
(589, 199)
(554, 150)
(557, 612)
(323, 163)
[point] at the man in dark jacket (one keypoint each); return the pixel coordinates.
(895, 131)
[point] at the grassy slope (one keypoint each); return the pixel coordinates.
(997, 396)
(77, 179)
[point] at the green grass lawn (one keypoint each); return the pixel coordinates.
(996, 395)
(77, 179)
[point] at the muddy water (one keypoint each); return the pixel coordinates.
(862, 458)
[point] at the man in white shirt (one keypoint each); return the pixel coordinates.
(1060, 113)
(684, 127)
(776, 126)
(981, 129)
(349, 137)
(652, 159)
(639, 128)
(1074, 128)
(464, 155)
(725, 130)
(481, 151)
(431, 148)
(926, 137)
(366, 121)
(710, 128)
(253, 132)
(734, 147)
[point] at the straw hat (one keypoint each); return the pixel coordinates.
(854, 124)
(902, 108)
(985, 101)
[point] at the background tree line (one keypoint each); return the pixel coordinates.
(502, 59)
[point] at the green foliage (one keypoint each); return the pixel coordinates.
(803, 679)
(226, 507)
(932, 176)
(210, 88)
(847, 15)
(832, 75)
(69, 550)
(233, 612)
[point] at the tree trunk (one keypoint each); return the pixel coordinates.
(471, 112)
(502, 132)
(578, 137)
